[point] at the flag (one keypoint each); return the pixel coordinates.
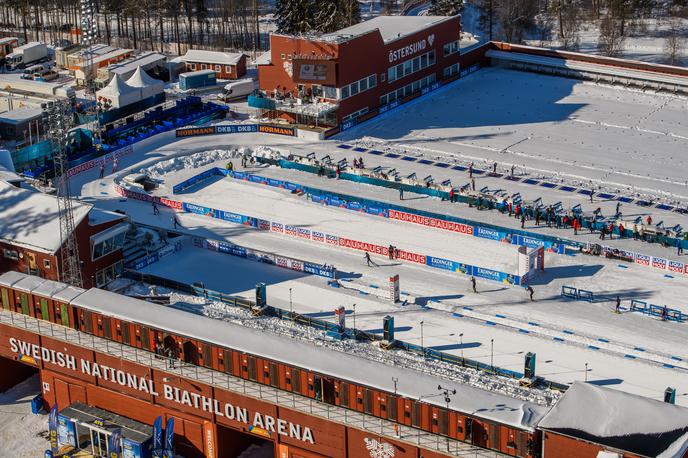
(115, 442)
(157, 437)
(52, 427)
(169, 439)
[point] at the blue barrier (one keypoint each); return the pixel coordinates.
(638, 306)
(570, 292)
(585, 295)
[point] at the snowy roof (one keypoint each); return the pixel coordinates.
(116, 87)
(7, 171)
(489, 405)
(11, 277)
(264, 59)
(30, 219)
(29, 283)
(20, 115)
(99, 216)
(212, 57)
(391, 27)
(142, 79)
(619, 420)
(144, 59)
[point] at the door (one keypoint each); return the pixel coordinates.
(5, 299)
(24, 300)
(45, 315)
(328, 390)
(479, 434)
(99, 444)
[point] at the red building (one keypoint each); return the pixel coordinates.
(30, 236)
(343, 76)
(227, 65)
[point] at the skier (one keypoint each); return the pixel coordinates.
(401, 194)
(592, 193)
(512, 170)
(390, 251)
(102, 170)
(368, 260)
(636, 233)
(664, 313)
(472, 182)
(155, 209)
(494, 167)
(618, 212)
(617, 308)
(338, 171)
(679, 248)
(230, 166)
(451, 195)
(523, 220)
(649, 220)
(114, 165)
(174, 221)
(530, 292)
(473, 284)
(470, 172)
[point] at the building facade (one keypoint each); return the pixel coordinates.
(333, 78)
(226, 65)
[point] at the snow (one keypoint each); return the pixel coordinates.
(391, 27)
(22, 434)
(212, 57)
(30, 219)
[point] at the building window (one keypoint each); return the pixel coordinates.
(359, 86)
(410, 66)
(329, 92)
(282, 56)
(218, 68)
(451, 48)
(355, 115)
(46, 263)
(363, 84)
(204, 66)
(192, 66)
(11, 254)
(353, 88)
(105, 276)
(408, 89)
(108, 241)
(345, 92)
(451, 70)
(372, 81)
(317, 90)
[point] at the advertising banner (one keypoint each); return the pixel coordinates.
(195, 131)
(304, 233)
(100, 160)
(363, 246)
(316, 269)
(642, 259)
(232, 217)
(495, 275)
(66, 432)
(198, 209)
(332, 239)
(491, 234)
(291, 230)
(659, 263)
(236, 129)
(157, 437)
(317, 236)
(676, 266)
(431, 222)
(446, 264)
(209, 441)
(321, 71)
(410, 257)
(277, 130)
(114, 443)
(52, 428)
(169, 439)
(277, 227)
(131, 449)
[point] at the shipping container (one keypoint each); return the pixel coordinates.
(193, 80)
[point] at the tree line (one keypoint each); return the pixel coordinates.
(296, 17)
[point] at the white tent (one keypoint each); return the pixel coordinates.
(120, 93)
(147, 85)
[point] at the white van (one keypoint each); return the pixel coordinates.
(237, 89)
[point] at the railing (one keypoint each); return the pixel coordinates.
(288, 399)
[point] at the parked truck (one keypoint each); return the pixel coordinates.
(23, 56)
(237, 89)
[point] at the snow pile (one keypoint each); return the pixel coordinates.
(367, 350)
(191, 161)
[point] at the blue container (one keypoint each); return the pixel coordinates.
(37, 404)
(192, 80)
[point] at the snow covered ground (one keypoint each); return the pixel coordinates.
(22, 434)
(562, 130)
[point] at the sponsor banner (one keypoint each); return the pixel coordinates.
(100, 160)
(291, 230)
(318, 199)
(146, 261)
(195, 131)
(377, 211)
(236, 129)
(198, 209)
(257, 179)
(495, 275)
(275, 183)
(316, 269)
(198, 242)
(292, 186)
(318, 236)
(491, 234)
(277, 130)
(66, 432)
(277, 227)
(446, 264)
(52, 428)
(431, 222)
(304, 233)
(659, 263)
(676, 266)
(239, 251)
(239, 175)
(224, 247)
(332, 239)
(410, 257)
(642, 259)
(355, 206)
(175, 204)
(212, 245)
(363, 246)
(231, 217)
(263, 224)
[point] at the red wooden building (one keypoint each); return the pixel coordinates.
(340, 76)
(227, 65)
(30, 236)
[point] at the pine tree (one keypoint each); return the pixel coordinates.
(293, 16)
(350, 12)
(445, 7)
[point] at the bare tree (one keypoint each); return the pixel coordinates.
(611, 39)
(570, 19)
(674, 42)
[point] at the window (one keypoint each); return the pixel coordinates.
(109, 240)
(316, 90)
(383, 100)
(46, 263)
(11, 254)
(416, 64)
(451, 48)
(372, 81)
(451, 70)
(282, 56)
(410, 66)
(192, 66)
(354, 88)
(105, 276)
(218, 68)
(359, 86)
(431, 57)
(363, 84)
(382, 77)
(329, 92)
(345, 92)
(391, 73)
(228, 68)
(204, 67)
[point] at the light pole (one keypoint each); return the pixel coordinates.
(395, 380)
(291, 308)
(492, 354)
(461, 337)
(586, 372)
(446, 392)
(422, 347)
(354, 306)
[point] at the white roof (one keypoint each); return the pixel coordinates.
(20, 115)
(469, 400)
(30, 219)
(391, 27)
(116, 87)
(264, 59)
(607, 414)
(140, 60)
(99, 216)
(212, 57)
(142, 79)
(48, 288)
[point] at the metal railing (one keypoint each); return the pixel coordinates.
(283, 398)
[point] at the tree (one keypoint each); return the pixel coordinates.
(486, 17)
(445, 7)
(674, 41)
(569, 18)
(611, 38)
(515, 18)
(293, 16)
